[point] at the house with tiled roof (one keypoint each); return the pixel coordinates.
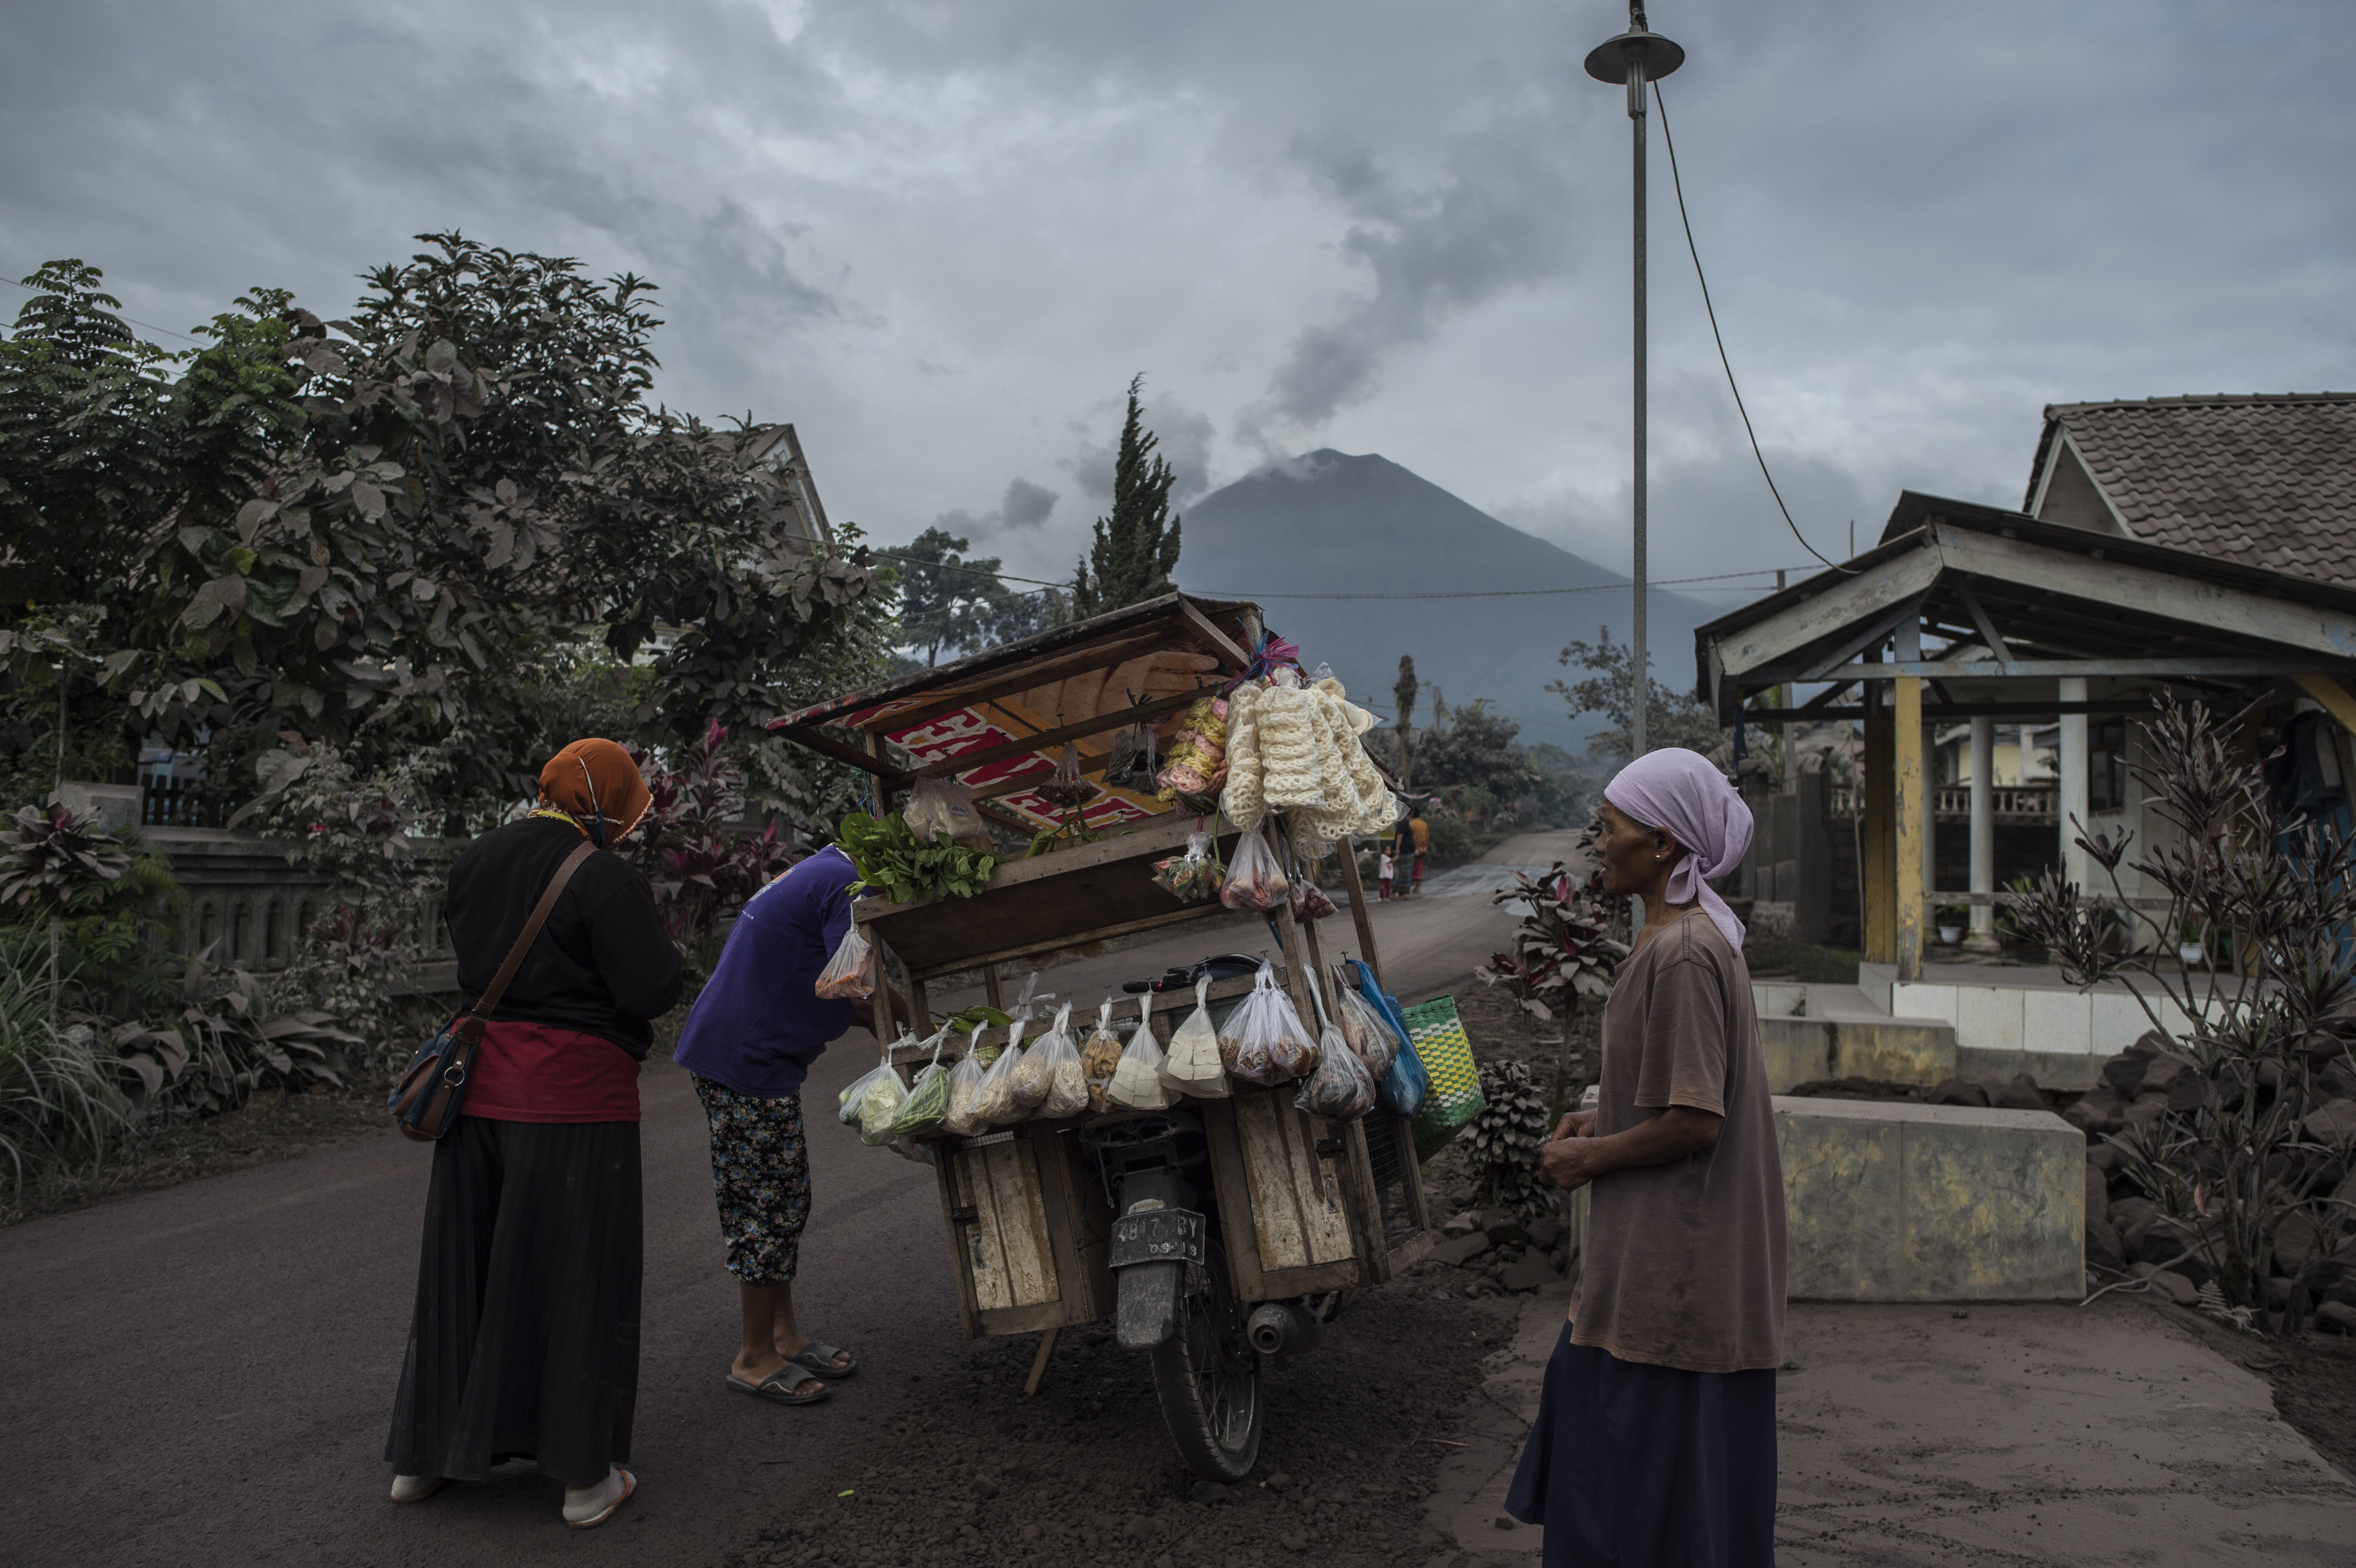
(2266, 480)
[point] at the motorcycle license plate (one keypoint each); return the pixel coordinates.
(1157, 1236)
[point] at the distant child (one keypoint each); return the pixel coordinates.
(1383, 870)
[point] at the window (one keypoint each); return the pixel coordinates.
(2107, 765)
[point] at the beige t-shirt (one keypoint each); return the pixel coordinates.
(1685, 1262)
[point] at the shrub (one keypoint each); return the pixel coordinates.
(2243, 1152)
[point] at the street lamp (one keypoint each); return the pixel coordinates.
(1636, 56)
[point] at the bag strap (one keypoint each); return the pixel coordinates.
(488, 1002)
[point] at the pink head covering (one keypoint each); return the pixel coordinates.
(1683, 793)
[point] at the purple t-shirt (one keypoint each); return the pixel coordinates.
(760, 1023)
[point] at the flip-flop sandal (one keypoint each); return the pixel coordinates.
(778, 1387)
(818, 1360)
(629, 1484)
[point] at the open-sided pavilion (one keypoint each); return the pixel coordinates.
(1966, 612)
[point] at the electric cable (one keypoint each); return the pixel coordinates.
(1677, 184)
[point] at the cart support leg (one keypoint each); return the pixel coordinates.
(1039, 1361)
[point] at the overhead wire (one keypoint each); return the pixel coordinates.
(1677, 183)
(131, 320)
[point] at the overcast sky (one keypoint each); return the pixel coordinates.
(940, 238)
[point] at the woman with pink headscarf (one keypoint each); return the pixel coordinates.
(1655, 1443)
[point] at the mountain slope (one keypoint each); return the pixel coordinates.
(1329, 523)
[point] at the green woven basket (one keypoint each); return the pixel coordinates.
(1455, 1096)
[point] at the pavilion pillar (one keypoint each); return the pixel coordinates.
(1877, 865)
(1982, 935)
(2073, 784)
(1910, 810)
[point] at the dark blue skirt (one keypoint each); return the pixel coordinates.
(1630, 1466)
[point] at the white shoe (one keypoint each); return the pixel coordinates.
(415, 1488)
(588, 1507)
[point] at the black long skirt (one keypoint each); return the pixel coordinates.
(1631, 1465)
(524, 1341)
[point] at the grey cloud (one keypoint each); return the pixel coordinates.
(1184, 440)
(1025, 506)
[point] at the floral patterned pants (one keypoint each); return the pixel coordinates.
(760, 1170)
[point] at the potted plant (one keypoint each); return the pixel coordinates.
(2191, 944)
(1951, 919)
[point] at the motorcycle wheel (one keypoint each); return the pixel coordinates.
(1208, 1380)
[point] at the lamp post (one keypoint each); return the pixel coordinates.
(1636, 56)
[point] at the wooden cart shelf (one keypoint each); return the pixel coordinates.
(1304, 1206)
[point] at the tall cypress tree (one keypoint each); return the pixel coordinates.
(1136, 546)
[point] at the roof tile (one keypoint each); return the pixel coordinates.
(2267, 480)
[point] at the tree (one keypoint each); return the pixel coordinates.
(1471, 756)
(1403, 697)
(951, 604)
(377, 532)
(1136, 545)
(1673, 717)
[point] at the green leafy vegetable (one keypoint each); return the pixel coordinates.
(908, 870)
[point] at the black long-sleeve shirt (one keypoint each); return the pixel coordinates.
(602, 964)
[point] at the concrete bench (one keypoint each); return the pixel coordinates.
(1892, 1202)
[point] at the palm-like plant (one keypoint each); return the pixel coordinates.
(54, 857)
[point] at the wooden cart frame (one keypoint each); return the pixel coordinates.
(1330, 1207)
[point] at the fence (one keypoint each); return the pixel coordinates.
(182, 803)
(2037, 804)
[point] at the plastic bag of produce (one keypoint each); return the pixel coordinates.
(1254, 881)
(851, 972)
(998, 1104)
(1059, 1059)
(966, 1078)
(1194, 1065)
(1341, 1090)
(1101, 1057)
(847, 1103)
(1137, 1081)
(1365, 1033)
(1194, 875)
(944, 807)
(1264, 1041)
(880, 1094)
(1309, 900)
(928, 1105)
(1034, 1074)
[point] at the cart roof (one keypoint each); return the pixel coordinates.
(991, 720)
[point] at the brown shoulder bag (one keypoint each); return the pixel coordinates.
(425, 1104)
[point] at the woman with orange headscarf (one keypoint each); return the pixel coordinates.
(524, 1341)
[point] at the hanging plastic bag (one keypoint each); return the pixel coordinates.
(1066, 787)
(880, 1094)
(1194, 1065)
(1137, 1082)
(1254, 881)
(997, 1105)
(1365, 1033)
(944, 807)
(1194, 875)
(849, 1103)
(852, 971)
(1264, 1041)
(1099, 1058)
(1341, 1090)
(1134, 759)
(927, 1105)
(1058, 1061)
(966, 1078)
(1309, 900)
(1035, 1075)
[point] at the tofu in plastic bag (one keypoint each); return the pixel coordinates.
(1192, 1064)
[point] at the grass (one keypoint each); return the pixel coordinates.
(58, 1103)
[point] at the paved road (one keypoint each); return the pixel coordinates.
(203, 1375)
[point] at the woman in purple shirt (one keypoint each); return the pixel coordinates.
(749, 1042)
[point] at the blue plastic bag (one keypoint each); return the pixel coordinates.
(1405, 1084)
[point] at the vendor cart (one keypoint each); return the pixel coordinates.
(1218, 1232)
